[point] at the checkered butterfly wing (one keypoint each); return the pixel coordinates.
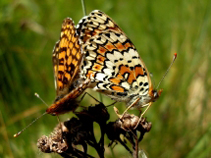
(66, 58)
(111, 60)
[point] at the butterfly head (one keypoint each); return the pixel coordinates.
(155, 94)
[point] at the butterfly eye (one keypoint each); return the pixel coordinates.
(156, 95)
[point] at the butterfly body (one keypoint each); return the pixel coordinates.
(68, 102)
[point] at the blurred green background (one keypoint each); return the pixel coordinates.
(180, 118)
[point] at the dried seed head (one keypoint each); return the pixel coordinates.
(53, 143)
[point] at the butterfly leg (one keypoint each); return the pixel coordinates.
(134, 103)
(117, 112)
(145, 105)
(95, 99)
(86, 93)
(121, 116)
(148, 105)
(111, 104)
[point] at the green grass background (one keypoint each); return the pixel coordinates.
(180, 118)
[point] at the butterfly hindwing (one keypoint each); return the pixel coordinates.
(111, 57)
(66, 57)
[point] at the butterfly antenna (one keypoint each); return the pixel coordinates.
(174, 58)
(37, 95)
(17, 134)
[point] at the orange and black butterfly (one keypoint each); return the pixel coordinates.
(67, 58)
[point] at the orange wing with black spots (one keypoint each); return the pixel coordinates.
(113, 61)
(67, 58)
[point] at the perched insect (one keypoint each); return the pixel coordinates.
(112, 62)
(67, 58)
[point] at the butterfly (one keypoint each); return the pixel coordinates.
(66, 59)
(112, 62)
